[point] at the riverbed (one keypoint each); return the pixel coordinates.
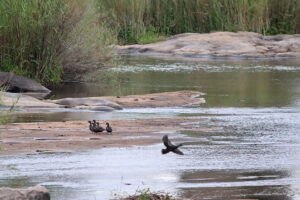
(252, 151)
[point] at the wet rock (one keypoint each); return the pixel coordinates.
(107, 103)
(16, 83)
(31, 193)
(89, 103)
(164, 99)
(21, 100)
(102, 108)
(221, 44)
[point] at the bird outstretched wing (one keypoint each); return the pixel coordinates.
(177, 151)
(166, 141)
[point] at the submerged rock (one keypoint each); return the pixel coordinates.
(16, 83)
(221, 44)
(31, 193)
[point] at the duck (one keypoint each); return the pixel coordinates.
(108, 128)
(170, 146)
(91, 126)
(98, 128)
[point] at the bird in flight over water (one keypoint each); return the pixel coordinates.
(170, 146)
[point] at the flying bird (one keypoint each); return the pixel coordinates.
(170, 146)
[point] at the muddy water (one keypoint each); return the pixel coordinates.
(253, 152)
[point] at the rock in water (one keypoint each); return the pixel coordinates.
(31, 193)
(220, 44)
(15, 83)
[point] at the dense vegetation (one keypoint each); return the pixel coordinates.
(38, 37)
(41, 39)
(141, 21)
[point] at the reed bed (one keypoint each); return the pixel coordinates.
(135, 19)
(41, 39)
(37, 37)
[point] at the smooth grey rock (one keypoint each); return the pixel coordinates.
(16, 83)
(221, 44)
(22, 100)
(97, 108)
(88, 103)
(31, 193)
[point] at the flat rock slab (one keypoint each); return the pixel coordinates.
(108, 103)
(31, 193)
(71, 136)
(221, 44)
(22, 100)
(165, 99)
(90, 103)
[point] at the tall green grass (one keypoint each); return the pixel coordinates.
(31, 36)
(136, 18)
(39, 38)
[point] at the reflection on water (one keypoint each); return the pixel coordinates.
(252, 152)
(236, 184)
(246, 83)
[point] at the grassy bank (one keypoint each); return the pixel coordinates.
(143, 21)
(39, 38)
(43, 39)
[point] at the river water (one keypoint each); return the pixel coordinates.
(253, 152)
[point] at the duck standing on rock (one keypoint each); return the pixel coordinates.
(91, 127)
(98, 128)
(108, 128)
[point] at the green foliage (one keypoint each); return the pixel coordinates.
(134, 19)
(32, 35)
(90, 39)
(39, 38)
(4, 115)
(150, 36)
(146, 194)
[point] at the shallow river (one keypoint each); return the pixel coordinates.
(253, 153)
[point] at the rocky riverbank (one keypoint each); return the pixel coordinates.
(40, 137)
(221, 44)
(31, 193)
(108, 103)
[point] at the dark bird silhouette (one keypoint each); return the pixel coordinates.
(98, 128)
(170, 146)
(108, 128)
(91, 127)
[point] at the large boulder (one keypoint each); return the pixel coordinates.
(31, 193)
(221, 44)
(16, 83)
